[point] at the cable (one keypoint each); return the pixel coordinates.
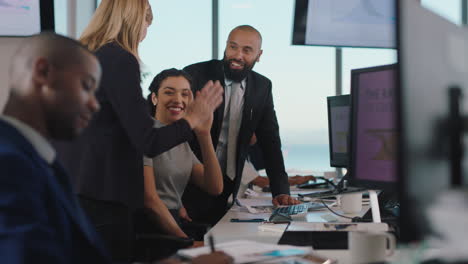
(323, 202)
(356, 218)
(331, 183)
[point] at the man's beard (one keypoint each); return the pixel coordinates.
(236, 75)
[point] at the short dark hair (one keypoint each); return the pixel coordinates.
(158, 79)
(60, 51)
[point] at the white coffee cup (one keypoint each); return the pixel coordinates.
(368, 247)
(351, 203)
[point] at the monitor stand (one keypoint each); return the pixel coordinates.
(373, 198)
(374, 203)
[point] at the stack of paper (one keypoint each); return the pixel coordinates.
(308, 226)
(256, 206)
(244, 251)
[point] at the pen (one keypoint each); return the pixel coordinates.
(211, 241)
(247, 220)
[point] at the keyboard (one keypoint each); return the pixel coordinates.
(293, 212)
(318, 183)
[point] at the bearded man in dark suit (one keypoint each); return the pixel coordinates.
(246, 111)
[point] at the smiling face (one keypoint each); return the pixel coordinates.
(173, 97)
(243, 50)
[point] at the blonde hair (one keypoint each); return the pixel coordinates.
(119, 21)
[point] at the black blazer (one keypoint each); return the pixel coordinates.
(107, 159)
(258, 116)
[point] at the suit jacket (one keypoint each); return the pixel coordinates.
(106, 161)
(258, 117)
(40, 219)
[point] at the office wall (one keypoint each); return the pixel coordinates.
(7, 48)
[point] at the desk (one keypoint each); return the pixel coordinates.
(225, 230)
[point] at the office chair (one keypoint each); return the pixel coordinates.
(195, 230)
(130, 236)
(149, 237)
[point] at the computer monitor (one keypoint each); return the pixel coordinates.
(373, 129)
(432, 54)
(339, 111)
(350, 23)
(25, 18)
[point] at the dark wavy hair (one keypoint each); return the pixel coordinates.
(158, 79)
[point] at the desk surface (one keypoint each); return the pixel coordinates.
(225, 230)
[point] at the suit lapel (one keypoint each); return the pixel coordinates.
(244, 134)
(14, 137)
(247, 113)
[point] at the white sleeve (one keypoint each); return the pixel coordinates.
(249, 173)
(147, 161)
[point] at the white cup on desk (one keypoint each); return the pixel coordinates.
(350, 203)
(369, 247)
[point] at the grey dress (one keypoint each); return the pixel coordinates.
(172, 171)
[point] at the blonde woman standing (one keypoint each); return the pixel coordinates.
(106, 160)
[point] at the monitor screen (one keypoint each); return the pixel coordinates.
(350, 23)
(25, 17)
(373, 128)
(338, 129)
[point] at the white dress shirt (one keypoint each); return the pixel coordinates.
(221, 148)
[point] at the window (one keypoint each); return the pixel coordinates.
(180, 35)
(60, 14)
(449, 9)
(355, 58)
(302, 76)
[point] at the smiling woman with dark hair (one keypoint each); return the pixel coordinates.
(167, 174)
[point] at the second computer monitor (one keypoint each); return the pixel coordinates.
(338, 129)
(373, 128)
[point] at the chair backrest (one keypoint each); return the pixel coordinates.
(114, 223)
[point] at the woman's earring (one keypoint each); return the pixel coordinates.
(154, 99)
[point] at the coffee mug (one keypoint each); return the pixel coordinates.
(351, 203)
(369, 247)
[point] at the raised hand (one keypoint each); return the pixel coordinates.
(206, 101)
(204, 127)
